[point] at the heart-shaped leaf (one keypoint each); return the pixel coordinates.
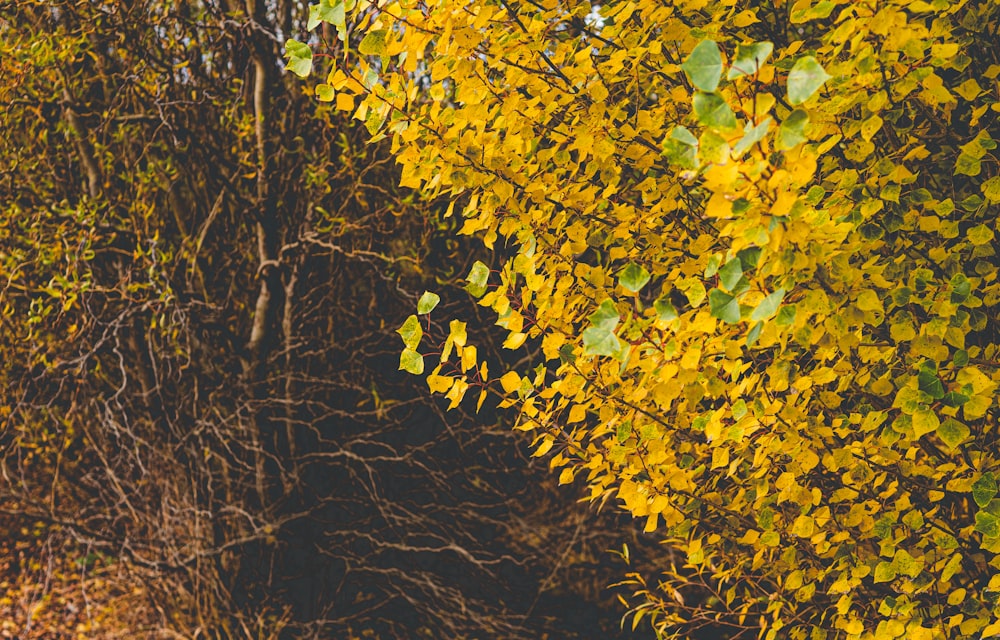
(410, 360)
(749, 58)
(984, 489)
(712, 111)
(477, 278)
(606, 317)
(427, 302)
(704, 66)
(300, 58)
(805, 78)
(730, 274)
(633, 277)
(410, 332)
(724, 306)
(792, 129)
(768, 306)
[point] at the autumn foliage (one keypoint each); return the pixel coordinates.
(745, 259)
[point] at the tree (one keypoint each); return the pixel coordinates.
(201, 268)
(746, 264)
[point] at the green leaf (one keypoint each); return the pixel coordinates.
(724, 306)
(681, 148)
(411, 332)
(786, 315)
(768, 306)
(984, 489)
(714, 262)
(749, 256)
(704, 66)
(730, 274)
(325, 93)
(300, 58)
(954, 399)
(606, 317)
(712, 111)
(314, 18)
(427, 302)
(684, 136)
(952, 433)
(968, 165)
(793, 129)
(374, 121)
(713, 147)
(752, 135)
(477, 279)
(749, 58)
(410, 360)
(598, 341)
(633, 277)
(961, 288)
(885, 572)
(695, 293)
(754, 334)
(665, 309)
(805, 78)
(928, 382)
(373, 44)
(331, 11)
(623, 431)
(961, 358)
(987, 524)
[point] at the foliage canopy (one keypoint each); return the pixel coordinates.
(748, 252)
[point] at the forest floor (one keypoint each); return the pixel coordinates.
(52, 588)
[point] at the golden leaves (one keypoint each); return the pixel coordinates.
(845, 397)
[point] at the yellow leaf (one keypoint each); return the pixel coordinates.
(577, 413)
(345, 102)
(651, 523)
(544, 446)
(720, 457)
(510, 381)
(991, 630)
(456, 393)
(803, 526)
(469, 356)
(439, 384)
(925, 421)
(566, 476)
(515, 340)
(869, 301)
(870, 127)
(457, 332)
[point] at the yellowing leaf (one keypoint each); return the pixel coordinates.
(924, 421)
(804, 526)
(805, 78)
